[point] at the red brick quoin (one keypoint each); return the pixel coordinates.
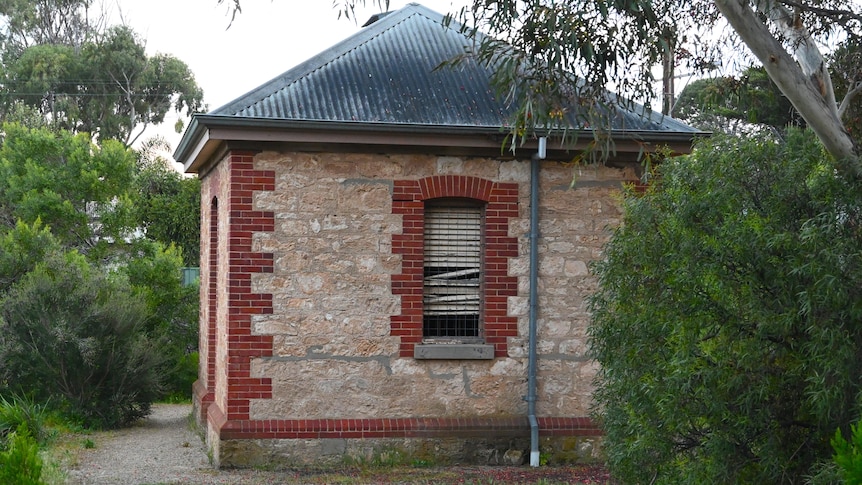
(242, 346)
(408, 200)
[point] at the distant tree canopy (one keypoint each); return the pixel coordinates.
(751, 98)
(99, 199)
(82, 191)
(167, 204)
(41, 22)
(84, 77)
(846, 62)
(73, 86)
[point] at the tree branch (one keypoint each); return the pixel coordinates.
(848, 98)
(807, 54)
(130, 140)
(799, 88)
(824, 12)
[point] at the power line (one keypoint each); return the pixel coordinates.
(84, 95)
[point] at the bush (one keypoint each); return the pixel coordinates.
(19, 413)
(73, 337)
(21, 248)
(726, 323)
(20, 463)
(155, 276)
(848, 454)
(180, 378)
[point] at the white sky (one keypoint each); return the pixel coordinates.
(266, 39)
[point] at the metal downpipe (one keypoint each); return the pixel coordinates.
(534, 300)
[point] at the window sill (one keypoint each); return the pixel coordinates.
(453, 352)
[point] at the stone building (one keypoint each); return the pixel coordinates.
(366, 261)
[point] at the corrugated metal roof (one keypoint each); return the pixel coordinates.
(387, 73)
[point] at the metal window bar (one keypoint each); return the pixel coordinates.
(452, 271)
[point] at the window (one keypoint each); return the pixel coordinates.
(454, 283)
(452, 270)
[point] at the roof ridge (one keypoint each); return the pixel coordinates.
(389, 72)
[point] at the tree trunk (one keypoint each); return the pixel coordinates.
(806, 93)
(668, 91)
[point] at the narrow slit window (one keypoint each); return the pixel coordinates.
(452, 285)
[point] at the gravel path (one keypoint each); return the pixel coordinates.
(160, 450)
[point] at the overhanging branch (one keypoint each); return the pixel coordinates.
(837, 14)
(851, 95)
(799, 88)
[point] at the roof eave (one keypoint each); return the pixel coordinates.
(207, 132)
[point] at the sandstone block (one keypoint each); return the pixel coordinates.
(514, 457)
(450, 165)
(575, 268)
(514, 170)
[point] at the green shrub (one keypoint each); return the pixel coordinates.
(179, 380)
(21, 413)
(21, 248)
(726, 323)
(74, 337)
(20, 463)
(155, 277)
(848, 454)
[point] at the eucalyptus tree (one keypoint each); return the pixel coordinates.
(749, 101)
(39, 22)
(740, 104)
(575, 49)
(127, 90)
(86, 77)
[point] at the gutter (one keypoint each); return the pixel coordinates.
(534, 300)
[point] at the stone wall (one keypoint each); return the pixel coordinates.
(333, 301)
(336, 366)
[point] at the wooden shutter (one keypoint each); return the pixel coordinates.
(453, 270)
